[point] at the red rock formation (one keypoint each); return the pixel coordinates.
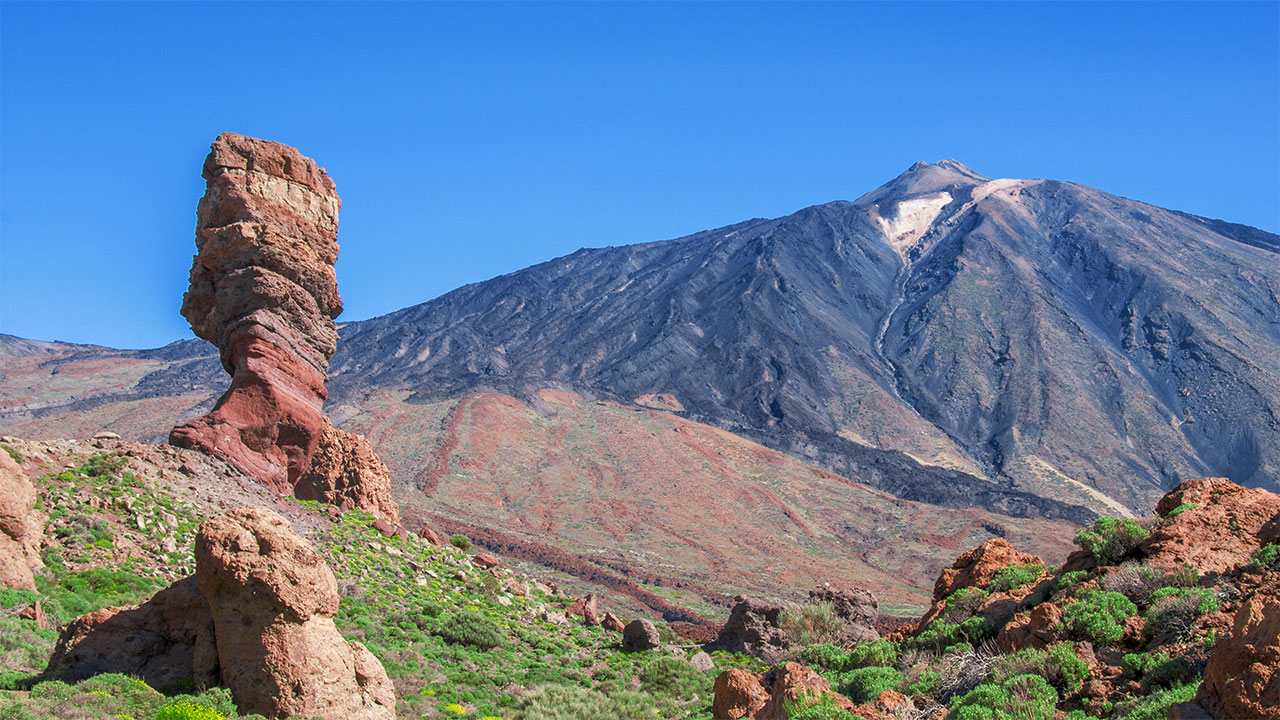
(587, 607)
(1219, 534)
(1242, 678)
(976, 568)
(263, 290)
(272, 598)
(20, 527)
(790, 682)
(1036, 631)
(166, 641)
(737, 694)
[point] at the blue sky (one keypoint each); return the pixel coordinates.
(470, 140)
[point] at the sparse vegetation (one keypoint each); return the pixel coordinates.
(1111, 538)
(809, 625)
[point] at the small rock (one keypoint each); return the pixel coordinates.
(105, 435)
(35, 611)
(611, 623)
(702, 661)
(485, 560)
(384, 527)
(504, 600)
(640, 634)
(587, 607)
(430, 536)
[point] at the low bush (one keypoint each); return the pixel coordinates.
(1111, 538)
(17, 456)
(462, 542)
(1068, 579)
(564, 702)
(1014, 576)
(817, 706)
(1135, 580)
(671, 675)
(1174, 611)
(876, 653)
(1059, 665)
(1022, 697)
(1267, 556)
(825, 657)
(1099, 616)
(1179, 510)
(471, 628)
(1156, 705)
(807, 625)
(963, 604)
(864, 684)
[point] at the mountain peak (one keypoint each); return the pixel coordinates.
(924, 178)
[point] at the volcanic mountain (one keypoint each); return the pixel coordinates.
(1010, 349)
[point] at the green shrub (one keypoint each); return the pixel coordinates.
(563, 702)
(1013, 576)
(460, 541)
(1267, 556)
(817, 706)
(825, 656)
(671, 675)
(1099, 616)
(811, 624)
(1111, 538)
(17, 456)
(864, 684)
(1156, 705)
(1207, 600)
(1179, 510)
(963, 603)
(1067, 579)
(1022, 697)
(876, 653)
(103, 465)
(1059, 665)
(471, 628)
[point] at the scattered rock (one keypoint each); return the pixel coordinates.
(35, 611)
(1242, 678)
(20, 527)
(272, 598)
(167, 641)
(753, 628)
(105, 435)
(515, 587)
(485, 560)
(430, 536)
(702, 661)
(737, 694)
(384, 527)
(612, 623)
(640, 634)
(587, 607)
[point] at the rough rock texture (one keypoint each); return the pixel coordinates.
(975, 568)
(1242, 678)
(588, 607)
(1227, 524)
(790, 682)
(612, 623)
(1035, 631)
(737, 694)
(166, 641)
(345, 471)
(272, 598)
(858, 608)
(753, 628)
(640, 634)
(20, 527)
(263, 290)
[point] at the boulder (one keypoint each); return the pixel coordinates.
(345, 470)
(791, 681)
(640, 634)
(1242, 677)
(587, 607)
(1037, 630)
(976, 569)
(753, 628)
(702, 661)
(858, 608)
(21, 527)
(486, 561)
(737, 694)
(1219, 534)
(430, 536)
(167, 641)
(611, 623)
(263, 290)
(272, 599)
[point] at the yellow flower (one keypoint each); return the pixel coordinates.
(455, 708)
